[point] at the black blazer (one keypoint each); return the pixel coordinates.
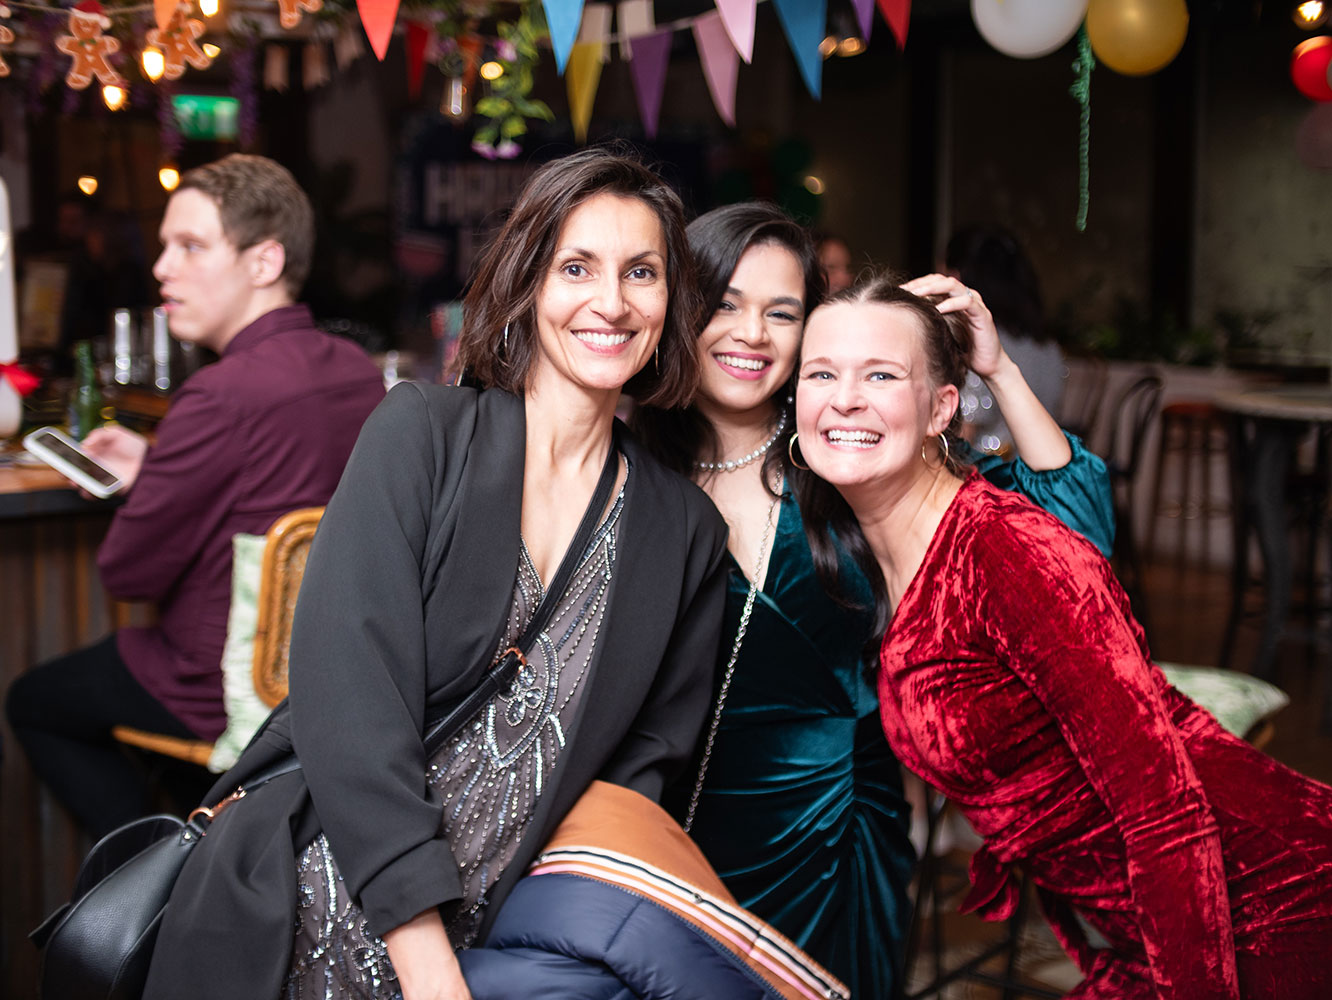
(405, 593)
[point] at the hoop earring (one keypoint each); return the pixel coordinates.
(943, 440)
(790, 453)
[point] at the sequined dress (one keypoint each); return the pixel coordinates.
(489, 776)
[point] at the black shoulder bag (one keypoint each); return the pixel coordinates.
(99, 945)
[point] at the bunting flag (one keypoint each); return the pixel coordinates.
(804, 22)
(721, 63)
(582, 79)
(738, 17)
(898, 15)
(635, 20)
(651, 55)
(865, 16)
(162, 12)
(596, 26)
(377, 16)
(418, 38)
(562, 17)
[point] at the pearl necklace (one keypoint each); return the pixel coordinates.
(753, 456)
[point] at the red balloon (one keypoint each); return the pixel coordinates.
(1310, 66)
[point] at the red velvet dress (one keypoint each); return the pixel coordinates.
(1016, 682)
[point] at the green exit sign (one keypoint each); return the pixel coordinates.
(202, 116)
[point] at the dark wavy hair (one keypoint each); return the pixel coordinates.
(513, 267)
(828, 519)
(718, 239)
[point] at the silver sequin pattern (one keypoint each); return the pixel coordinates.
(489, 778)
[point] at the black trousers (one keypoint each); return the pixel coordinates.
(62, 712)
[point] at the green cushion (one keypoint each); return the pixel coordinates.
(1238, 701)
(245, 709)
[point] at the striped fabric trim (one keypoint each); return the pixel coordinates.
(788, 969)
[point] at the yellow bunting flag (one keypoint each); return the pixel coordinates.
(582, 75)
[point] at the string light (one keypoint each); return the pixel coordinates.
(814, 185)
(828, 46)
(207, 7)
(88, 184)
(168, 177)
(153, 62)
(850, 46)
(491, 70)
(113, 97)
(211, 51)
(1310, 15)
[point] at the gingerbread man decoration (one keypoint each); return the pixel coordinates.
(6, 37)
(289, 11)
(177, 43)
(88, 47)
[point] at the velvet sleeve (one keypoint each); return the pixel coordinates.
(665, 731)
(1060, 623)
(1078, 493)
(358, 671)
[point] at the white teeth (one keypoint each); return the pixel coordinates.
(603, 339)
(859, 439)
(748, 364)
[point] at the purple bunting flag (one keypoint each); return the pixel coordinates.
(652, 54)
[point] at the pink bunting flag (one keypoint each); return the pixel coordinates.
(651, 55)
(738, 17)
(721, 63)
(898, 15)
(377, 16)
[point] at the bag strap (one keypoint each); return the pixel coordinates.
(501, 673)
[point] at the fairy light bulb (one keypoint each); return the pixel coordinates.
(491, 70)
(113, 97)
(169, 178)
(212, 51)
(88, 184)
(207, 7)
(153, 62)
(1310, 15)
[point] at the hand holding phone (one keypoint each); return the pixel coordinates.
(63, 454)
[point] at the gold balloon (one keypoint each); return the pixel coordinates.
(1137, 37)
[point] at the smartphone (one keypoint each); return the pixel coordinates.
(62, 453)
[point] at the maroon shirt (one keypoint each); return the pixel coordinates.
(265, 430)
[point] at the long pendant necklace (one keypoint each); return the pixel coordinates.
(729, 672)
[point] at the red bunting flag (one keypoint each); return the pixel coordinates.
(377, 16)
(418, 39)
(898, 15)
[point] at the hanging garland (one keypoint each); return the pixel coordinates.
(1081, 91)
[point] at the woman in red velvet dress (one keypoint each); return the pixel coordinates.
(1015, 680)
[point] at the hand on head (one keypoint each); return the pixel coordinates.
(987, 353)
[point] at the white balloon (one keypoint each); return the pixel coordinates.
(1027, 29)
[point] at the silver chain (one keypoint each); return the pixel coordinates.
(729, 672)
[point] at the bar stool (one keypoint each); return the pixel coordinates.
(1194, 432)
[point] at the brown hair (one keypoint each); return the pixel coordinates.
(258, 199)
(828, 518)
(513, 267)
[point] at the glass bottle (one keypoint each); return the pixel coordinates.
(85, 408)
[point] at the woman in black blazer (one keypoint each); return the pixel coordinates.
(385, 860)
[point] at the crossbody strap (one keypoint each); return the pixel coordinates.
(501, 674)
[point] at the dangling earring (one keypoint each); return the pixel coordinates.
(656, 359)
(506, 338)
(943, 442)
(790, 453)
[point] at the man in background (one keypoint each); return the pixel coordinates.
(264, 430)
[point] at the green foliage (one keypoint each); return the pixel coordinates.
(509, 104)
(1132, 333)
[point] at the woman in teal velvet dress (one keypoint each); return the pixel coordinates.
(800, 808)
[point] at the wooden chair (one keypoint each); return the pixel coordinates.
(286, 546)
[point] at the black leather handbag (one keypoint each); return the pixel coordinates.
(99, 945)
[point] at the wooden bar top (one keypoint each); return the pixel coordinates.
(31, 491)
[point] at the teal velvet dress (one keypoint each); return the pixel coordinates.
(802, 812)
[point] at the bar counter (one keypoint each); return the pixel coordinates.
(53, 603)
